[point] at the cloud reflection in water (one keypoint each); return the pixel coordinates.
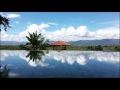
(70, 57)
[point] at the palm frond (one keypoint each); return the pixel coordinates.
(5, 22)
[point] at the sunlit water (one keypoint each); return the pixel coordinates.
(64, 64)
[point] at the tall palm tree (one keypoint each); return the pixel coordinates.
(5, 22)
(36, 40)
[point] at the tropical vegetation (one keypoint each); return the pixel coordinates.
(35, 55)
(4, 22)
(36, 41)
(71, 47)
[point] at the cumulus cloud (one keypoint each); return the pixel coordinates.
(65, 34)
(82, 33)
(68, 34)
(22, 35)
(107, 33)
(13, 15)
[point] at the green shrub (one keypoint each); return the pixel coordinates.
(95, 47)
(117, 48)
(99, 47)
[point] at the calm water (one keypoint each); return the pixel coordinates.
(59, 64)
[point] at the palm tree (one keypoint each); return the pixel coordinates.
(36, 40)
(35, 55)
(5, 22)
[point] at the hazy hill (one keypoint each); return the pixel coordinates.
(80, 42)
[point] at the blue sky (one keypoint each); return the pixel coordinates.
(90, 23)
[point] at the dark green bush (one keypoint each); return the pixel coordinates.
(117, 48)
(95, 47)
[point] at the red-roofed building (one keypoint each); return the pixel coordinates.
(59, 43)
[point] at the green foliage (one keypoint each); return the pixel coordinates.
(5, 22)
(47, 47)
(24, 47)
(95, 47)
(76, 48)
(36, 41)
(117, 48)
(90, 48)
(35, 55)
(99, 47)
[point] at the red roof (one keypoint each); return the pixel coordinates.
(59, 43)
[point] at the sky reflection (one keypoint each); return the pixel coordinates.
(60, 64)
(70, 57)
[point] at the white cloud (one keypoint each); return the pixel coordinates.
(16, 22)
(82, 33)
(10, 15)
(107, 33)
(51, 23)
(64, 34)
(13, 15)
(32, 28)
(22, 35)
(68, 34)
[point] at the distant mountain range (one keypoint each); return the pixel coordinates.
(14, 43)
(11, 43)
(80, 42)
(96, 42)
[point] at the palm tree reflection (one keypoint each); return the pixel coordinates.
(4, 72)
(36, 55)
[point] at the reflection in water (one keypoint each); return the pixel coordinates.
(4, 72)
(6, 53)
(34, 55)
(60, 64)
(59, 50)
(39, 61)
(35, 58)
(82, 57)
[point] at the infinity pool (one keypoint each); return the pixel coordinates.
(59, 64)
